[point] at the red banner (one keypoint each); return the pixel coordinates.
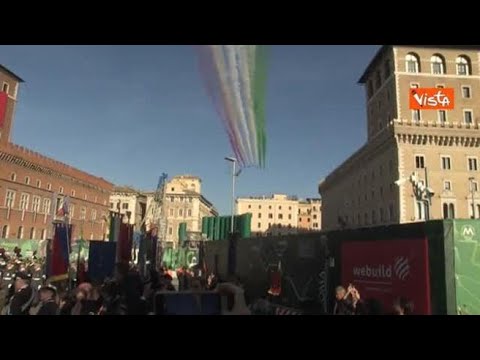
(3, 106)
(389, 269)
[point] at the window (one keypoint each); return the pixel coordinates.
(189, 212)
(259, 225)
(308, 219)
(259, 207)
(270, 216)
(382, 215)
(125, 206)
(419, 162)
(467, 116)
(27, 180)
(171, 212)
(36, 204)
(49, 186)
(365, 218)
(39, 184)
(374, 217)
(416, 115)
(472, 164)
(20, 232)
(473, 186)
(378, 80)
(412, 63)
(391, 212)
(180, 212)
(60, 190)
(447, 185)
(249, 206)
(259, 215)
(71, 211)
(111, 205)
(280, 216)
(5, 87)
(315, 225)
(44, 234)
(463, 65)
(13, 177)
(173, 189)
(387, 69)
(359, 219)
(32, 233)
(438, 64)
(381, 192)
(172, 199)
(289, 216)
(170, 231)
(373, 195)
(46, 206)
(448, 211)
(442, 116)
(83, 213)
(190, 200)
(289, 208)
(72, 193)
(420, 210)
(10, 199)
(466, 92)
(4, 232)
(269, 207)
(24, 201)
(446, 163)
(280, 207)
(94, 215)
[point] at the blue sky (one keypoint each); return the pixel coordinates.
(129, 113)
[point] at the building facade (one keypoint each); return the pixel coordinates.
(280, 214)
(440, 148)
(33, 186)
(131, 203)
(183, 203)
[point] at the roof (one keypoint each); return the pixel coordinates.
(125, 189)
(11, 73)
(384, 48)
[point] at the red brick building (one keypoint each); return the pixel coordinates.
(33, 186)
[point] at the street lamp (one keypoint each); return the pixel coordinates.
(472, 191)
(234, 175)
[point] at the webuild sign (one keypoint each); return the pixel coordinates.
(389, 269)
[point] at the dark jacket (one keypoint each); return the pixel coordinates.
(21, 301)
(344, 307)
(49, 308)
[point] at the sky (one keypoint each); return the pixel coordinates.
(130, 113)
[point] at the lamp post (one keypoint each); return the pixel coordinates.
(234, 175)
(472, 192)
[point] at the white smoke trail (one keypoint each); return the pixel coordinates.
(233, 60)
(248, 67)
(222, 70)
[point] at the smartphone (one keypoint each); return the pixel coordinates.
(187, 303)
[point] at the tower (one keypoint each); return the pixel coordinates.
(9, 83)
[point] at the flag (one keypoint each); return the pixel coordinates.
(124, 243)
(101, 260)
(3, 107)
(63, 210)
(58, 264)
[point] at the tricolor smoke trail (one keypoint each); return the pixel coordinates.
(235, 79)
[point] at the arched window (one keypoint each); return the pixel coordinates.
(451, 211)
(32, 233)
(20, 232)
(27, 180)
(438, 64)
(39, 183)
(5, 232)
(412, 63)
(13, 177)
(463, 65)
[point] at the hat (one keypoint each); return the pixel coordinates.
(48, 288)
(22, 275)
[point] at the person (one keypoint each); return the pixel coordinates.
(346, 300)
(402, 306)
(48, 304)
(23, 297)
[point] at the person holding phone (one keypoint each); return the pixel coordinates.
(346, 300)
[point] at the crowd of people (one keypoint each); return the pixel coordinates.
(349, 302)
